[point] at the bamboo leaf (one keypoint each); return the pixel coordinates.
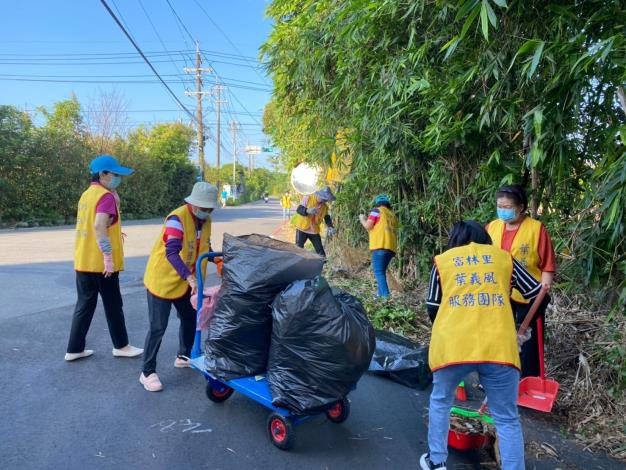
(469, 21)
(536, 59)
(484, 21)
(501, 3)
(465, 9)
(491, 14)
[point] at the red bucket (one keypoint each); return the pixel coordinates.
(463, 441)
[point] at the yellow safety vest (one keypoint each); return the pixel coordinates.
(525, 247)
(311, 223)
(161, 279)
(285, 202)
(384, 235)
(474, 323)
(87, 255)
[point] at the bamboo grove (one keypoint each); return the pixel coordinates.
(441, 102)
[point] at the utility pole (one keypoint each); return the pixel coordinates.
(198, 70)
(233, 132)
(218, 101)
(249, 159)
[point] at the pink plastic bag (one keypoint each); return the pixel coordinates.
(209, 302)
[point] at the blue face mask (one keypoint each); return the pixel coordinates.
(115, 182)
(202, 215)
(506, 215)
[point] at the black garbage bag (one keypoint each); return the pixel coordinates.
(322, 343)
(401, 360)
(256, 269)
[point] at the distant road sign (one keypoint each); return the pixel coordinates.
(253, 149)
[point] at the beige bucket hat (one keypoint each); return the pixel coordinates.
(203, 195)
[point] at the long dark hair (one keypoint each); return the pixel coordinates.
(515, 192)
(466, 232)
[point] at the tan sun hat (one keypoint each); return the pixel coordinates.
(203, 195)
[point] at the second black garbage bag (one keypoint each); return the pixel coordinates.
(256, 269)
(322, 343)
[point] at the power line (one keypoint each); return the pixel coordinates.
(156, 32)
(126, 82)
(104, 3)
(115, 61)
(223, 33)
(114, 55)
(181, 21)
(73, 76)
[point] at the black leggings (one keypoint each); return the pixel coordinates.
(316, 240)
(158, 314)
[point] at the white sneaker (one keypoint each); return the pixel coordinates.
(74, 356)
(127, 351)
(151, 383)
(426, 463)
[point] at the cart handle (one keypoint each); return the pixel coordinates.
(196, 351)
(211, 255)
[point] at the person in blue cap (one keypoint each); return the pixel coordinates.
(382, 228)
(99, 258)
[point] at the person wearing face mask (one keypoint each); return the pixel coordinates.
(529, 242)
(170, 277)
(311, 212)
(99, 258)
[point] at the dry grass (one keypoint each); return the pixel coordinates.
(583, 355)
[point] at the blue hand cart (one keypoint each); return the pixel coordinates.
(280, 422)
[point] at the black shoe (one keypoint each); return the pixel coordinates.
(426, 464)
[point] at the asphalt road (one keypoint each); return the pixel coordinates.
(93, 413)
(37, 263)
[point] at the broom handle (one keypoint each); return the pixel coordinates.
(542, 366)
(531, 313)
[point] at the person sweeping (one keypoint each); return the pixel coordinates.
(529, 242)
(99, 259)
(473, 331)
(170, 277)
(382, 228)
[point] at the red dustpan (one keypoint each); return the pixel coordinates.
(538, 393)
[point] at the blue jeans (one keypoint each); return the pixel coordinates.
(501, 384)
(380, 262)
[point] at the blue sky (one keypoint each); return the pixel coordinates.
(50, 47)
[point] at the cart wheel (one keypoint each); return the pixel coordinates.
(218, 392)
(339, 412)
(281, 431)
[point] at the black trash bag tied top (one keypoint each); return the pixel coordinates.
(322, 343)
(256, 269)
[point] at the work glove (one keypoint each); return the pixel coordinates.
(521, 339)
(219, 264)
(330, 231)
(362, 218)
(312, 211)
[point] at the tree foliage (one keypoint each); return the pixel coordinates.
(44, 169)
(447, 100)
